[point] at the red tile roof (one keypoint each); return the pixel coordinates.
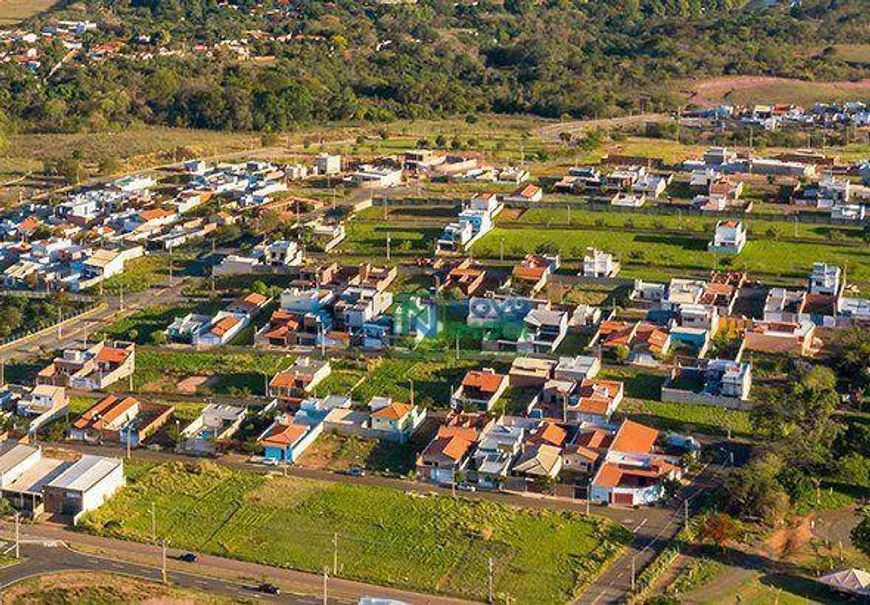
(394, 411)
(112, 355)
(484, 381)
(634, 438)
(285, 434)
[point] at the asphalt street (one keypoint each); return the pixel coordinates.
(51, 557)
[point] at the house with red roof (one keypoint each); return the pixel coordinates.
(632, 471)
(285, 440)
(479, 389)
(92, 368)
(577, 402)
(393, 420)
(449, 452)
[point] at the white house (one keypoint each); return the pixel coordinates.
(598, 264)
(730, 237)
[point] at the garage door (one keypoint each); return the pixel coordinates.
(621, 498)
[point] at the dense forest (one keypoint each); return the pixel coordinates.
(353, 60)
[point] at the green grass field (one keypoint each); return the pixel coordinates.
(688, 418)
(143, 323)
(650, 252)
(433, 379)
(234, 372)
(757, 227)
(433, 544)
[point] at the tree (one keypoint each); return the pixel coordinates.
(801, 421)
(853, 357)
(753, 492)
(861, 533)
(719, 528)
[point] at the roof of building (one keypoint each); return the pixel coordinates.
(596, 396)
(105, 411)
(488, 382)
(224, 325)
(112, 355)
(634, 438)
(393, 411)
(284, 434)
(541, 461)
(454, 447)
(86, 473)
(12, 454)
(614, 474)
(595, 438)
(550, 433)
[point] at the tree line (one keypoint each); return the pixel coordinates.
(349, 60)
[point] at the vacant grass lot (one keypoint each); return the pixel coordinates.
(688, 418)
(434, 544)
(651, 251)
(371, 239)
(232, 372)
(13, 11)
(757, 227)
(433, 379)
(141, 325)
(135, 148)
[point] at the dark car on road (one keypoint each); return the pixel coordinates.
(188, 557)
(267, 588)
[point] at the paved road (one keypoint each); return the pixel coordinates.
(47, 557)
(46, 551)
(614, 585)
(52, 340)
(551, 132)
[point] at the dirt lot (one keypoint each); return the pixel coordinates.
(756, 89)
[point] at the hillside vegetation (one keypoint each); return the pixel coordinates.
(350, 60)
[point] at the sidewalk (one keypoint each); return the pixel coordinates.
(219, 567)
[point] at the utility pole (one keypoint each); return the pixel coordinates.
(489, 580)
(163, 561)
(686, 512)
(388, 246)
(588, 496)
(121, 302)
(632, 573)
(129, 439)
(325, 589)
(153, 524)
(212, 264)
(335, 554)
(59, 328)
(17, 535)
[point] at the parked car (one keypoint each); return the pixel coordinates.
(267, 588)
(466, 487)
(270, 462)
(188, 557)
(356, 472)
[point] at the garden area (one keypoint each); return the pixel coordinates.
(429, 543)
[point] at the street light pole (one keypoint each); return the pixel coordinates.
(17, 535)
(163, 568)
